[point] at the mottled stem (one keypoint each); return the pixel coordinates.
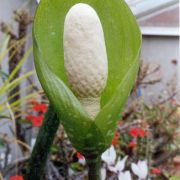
(94, 165)
(38, 159)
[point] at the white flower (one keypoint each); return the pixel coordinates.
(9, 159)
(103, 173)
(109, 156)
(124, 175)
(119, 166)
(2, 158)
(140, 169)
(70, 171)
(82, 161)
(38, 1)
(33, 141)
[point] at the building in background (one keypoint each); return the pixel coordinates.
(159, 23)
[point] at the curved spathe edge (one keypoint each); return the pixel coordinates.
(110, 114)
(81, 130)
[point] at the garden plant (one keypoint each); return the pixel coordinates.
(87, 58)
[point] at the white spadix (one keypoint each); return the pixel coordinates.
(85, 56)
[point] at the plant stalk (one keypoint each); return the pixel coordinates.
(94, 165)
(47, 132)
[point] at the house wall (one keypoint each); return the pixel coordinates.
(168, 18)
(162, 50)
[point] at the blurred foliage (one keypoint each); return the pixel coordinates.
(160, 144)
(9, 104)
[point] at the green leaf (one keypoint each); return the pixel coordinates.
(175, 178)
(4, 117)
(4, 45)
(3, 74)
(123, 42)
(2, 143)
(77, 167)
(55, 148)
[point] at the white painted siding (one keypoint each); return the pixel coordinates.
(161, 50)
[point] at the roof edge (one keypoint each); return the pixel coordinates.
(160, 31)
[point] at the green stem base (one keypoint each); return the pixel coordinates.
(94, 165)
(47, 132)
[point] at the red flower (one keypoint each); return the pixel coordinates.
(141, 133)
(30, 118)
(132, 144)
(156, 171)
(134, 132)
(137, 132)
(34, 102)
(115, 139)
(40, 107)
(80, 156)
(16, 178)
(36, 120)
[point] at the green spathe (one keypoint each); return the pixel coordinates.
(123, 42)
